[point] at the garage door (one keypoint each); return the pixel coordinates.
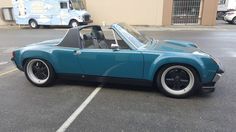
(186, 11)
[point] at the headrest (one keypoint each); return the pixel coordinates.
(100, 35)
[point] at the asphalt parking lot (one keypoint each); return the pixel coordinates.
(121, 108)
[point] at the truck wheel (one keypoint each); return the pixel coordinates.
(234, 20)
(177, 81)
(39, 72)
(74, 23)
(33, 24)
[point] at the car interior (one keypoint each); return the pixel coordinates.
(94, 38)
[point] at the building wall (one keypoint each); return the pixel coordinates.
(137, 12)
(209, 9)
(167, 12)
(134, 12)
(150, 12)
(4, 3)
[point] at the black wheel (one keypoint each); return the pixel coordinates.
(39, 72)
(234, 20)
(33, 24)
(220, 15)
(74, 23)
(177, 81)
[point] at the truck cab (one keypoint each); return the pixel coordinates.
(51, 12)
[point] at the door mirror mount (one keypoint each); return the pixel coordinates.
(115, 47)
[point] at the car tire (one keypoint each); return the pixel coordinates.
(39, 72)
(234, 20)
(177, 81)
(33, 24)
(74, 23)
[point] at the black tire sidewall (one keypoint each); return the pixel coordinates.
(51, 75)
(35, 23)
(234, 21)
(196, 84)
(71, 22)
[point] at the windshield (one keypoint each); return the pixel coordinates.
(135, 37)
(78, 4)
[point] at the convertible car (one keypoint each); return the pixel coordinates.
(177, 68)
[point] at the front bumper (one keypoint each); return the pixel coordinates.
(87, 22)
(228, 18)
(210, 87)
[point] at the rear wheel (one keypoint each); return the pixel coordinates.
(33, 24)
(177, 81)
(39, 72)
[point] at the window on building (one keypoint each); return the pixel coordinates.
(7, 14)
(222, 2)
(63, 5)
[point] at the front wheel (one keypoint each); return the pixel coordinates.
(178, 81)
(74, 24)
(33, 24)
(39, 72)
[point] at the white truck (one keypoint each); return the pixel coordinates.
(225, 6)
(50, 12)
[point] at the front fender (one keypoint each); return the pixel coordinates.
(206, 68)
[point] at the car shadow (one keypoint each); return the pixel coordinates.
(123, 87)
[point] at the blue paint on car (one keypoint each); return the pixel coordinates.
(140, 61)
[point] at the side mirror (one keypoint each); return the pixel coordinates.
(115, 47)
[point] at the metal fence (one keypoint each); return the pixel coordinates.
(186, 11)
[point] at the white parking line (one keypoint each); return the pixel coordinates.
(3, 63)
(7, 72)
(74, 115)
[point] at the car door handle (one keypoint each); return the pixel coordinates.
(77, 52)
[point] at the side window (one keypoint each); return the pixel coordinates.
(63, 5)
(87, 39)
(111, 40)
(121, 42)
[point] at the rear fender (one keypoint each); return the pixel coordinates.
(35, 54)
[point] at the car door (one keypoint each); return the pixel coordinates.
(66, 60)
(123, 63)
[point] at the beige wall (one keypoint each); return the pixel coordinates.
(167, 12)
(4, 3)
(134, 12)
(209, 9)
(137, 12)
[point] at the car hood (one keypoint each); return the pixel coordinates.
(172, 46)
(47, 42)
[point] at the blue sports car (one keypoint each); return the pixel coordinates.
(177, 68)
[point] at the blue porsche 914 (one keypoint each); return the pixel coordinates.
(177, 68)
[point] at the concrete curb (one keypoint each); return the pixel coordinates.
(147, 28)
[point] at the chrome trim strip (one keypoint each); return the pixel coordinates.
(208, 87)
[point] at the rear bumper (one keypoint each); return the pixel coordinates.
(13, 61)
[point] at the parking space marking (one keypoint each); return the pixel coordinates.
(7, 72)
(76, 113)
(3, 63)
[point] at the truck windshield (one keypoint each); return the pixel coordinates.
(78, 4)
